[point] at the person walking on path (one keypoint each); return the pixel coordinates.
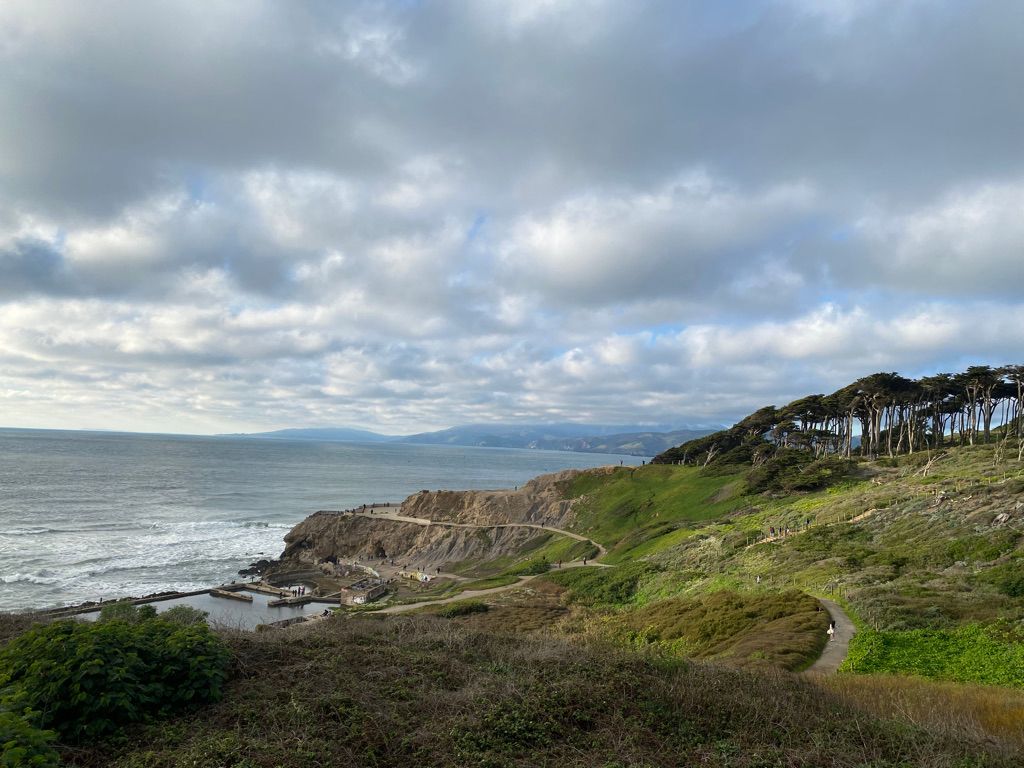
(831, 632)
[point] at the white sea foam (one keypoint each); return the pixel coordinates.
(84, 516)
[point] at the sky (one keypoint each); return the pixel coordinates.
(243, 215)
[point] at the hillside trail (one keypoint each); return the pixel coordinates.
(832, 656)
(469, 594)
(836, 649)
(379, 515)
(780, 536)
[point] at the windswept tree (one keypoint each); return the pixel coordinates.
(894, 414)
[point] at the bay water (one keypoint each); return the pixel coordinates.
(90, 515)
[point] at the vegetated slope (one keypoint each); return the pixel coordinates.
(932, 542)
(419, 691)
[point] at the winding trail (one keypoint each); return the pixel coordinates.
(836, 649)
(469, 594)
(828, 663)
(377, 515)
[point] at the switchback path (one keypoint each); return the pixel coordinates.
(469, 594)
(378, 515)
(827, 664)
(837, 648)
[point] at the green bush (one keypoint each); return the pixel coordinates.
(462, 608)
(532, 568)
(603, 586)
(185, 615)
(23, 745)
(125, 611)
(790, 470)
(88, 680)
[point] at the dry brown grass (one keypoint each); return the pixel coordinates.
(780, 630)
(14, 624)
(422, 691)
(985, 714)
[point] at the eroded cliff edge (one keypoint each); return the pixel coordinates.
(326, 537)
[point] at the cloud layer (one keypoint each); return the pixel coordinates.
(230, 216)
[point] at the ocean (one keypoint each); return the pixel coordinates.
(90, 515)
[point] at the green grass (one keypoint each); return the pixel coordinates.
(603, 586)
(634, 506)
(971, 653)
(552, 547)
(489, 583)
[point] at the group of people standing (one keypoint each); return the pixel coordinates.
(774, 532)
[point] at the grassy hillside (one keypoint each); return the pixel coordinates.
(931, 542)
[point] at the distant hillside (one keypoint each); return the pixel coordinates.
(630, 440)
(587, 438)
(326, 434)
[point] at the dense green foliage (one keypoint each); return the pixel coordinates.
(892, 414)
(185, 615)
(88, 680)
(22, 744)
(970, 653)
(127, 612)
(791, 471)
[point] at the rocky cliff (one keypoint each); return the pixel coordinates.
(329, 536)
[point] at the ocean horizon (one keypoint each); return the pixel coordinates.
(86, 515)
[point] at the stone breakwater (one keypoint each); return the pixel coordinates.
(331, 537)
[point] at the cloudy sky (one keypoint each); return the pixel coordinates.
(242, 215)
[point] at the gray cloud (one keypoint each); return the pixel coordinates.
(233, 215)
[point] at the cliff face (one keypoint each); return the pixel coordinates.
(328, 536)
(541, 502)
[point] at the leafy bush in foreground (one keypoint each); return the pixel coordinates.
(22, 744)
(87, 680)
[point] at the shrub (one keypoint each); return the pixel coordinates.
(125, 611)
(22, 744)
(462, 608)
(532, 568)
(87, 680)
(790, 470)
(185, 615)
(603, 586)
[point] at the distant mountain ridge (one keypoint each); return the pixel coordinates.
(630, 440)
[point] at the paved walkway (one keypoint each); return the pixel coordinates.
(837, 648)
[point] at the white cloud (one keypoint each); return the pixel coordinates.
(417, 214)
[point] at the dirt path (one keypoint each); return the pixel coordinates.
(837, 648)
(781, 536)
(469, 594)
(378, 515)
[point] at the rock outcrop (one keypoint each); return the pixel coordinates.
(331, 536)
